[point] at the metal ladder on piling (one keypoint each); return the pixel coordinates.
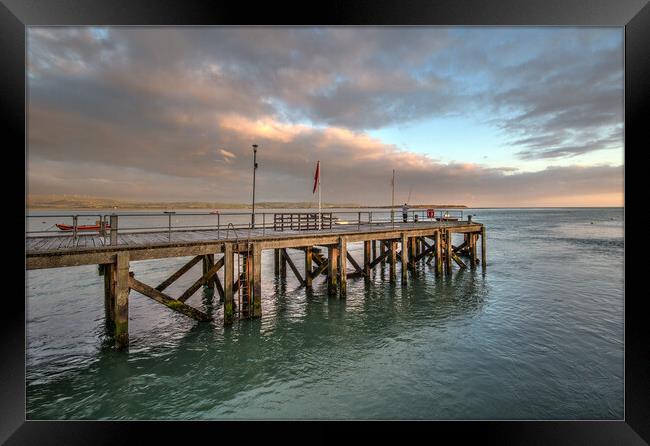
(243, 277)
(248, 273)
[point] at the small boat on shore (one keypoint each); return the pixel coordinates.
(80, 228)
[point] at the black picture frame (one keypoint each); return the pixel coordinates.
(15, 15)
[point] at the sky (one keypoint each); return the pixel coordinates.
(480, 116)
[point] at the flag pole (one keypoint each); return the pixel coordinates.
(320, 218)
(392, 203)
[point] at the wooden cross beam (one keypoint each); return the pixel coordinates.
(320, 260)
(458, 260)
(207, 276)
(354, 263)
(217, 282)
(429, 250)
(355, 274)
(458, 249)
(321, 269)
(173, 304)
(424, 240)
(398, 254)
(379, 258)
(185, 268)
(283, 252)
(316, 258)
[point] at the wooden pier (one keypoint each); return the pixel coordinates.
(237, 253)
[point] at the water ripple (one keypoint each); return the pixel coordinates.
(538, 335)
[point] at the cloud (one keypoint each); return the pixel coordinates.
(354, 168)
(171, 112)
(567, 100)
(227, 156)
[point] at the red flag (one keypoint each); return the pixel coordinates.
(316, 176)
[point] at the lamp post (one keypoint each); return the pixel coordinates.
(254, 169)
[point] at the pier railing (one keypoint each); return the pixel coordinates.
(108, 226)
(300, 221)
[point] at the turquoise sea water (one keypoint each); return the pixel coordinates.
(538, 335)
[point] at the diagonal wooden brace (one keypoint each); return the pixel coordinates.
(207, 276)
(174, 277)
(355, 264)
(380, 258)
(283, 253)
(174, 304)
(320, 270)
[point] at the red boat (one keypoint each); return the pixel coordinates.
(80, 228)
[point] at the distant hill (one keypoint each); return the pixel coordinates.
(82, 202)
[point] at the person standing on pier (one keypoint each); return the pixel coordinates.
(405, 210)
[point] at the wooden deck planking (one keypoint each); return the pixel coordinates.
(135, 239)
(209, 235)
(54, 243)
(36, 244)
(158, 245)
(159, 238)
(63, 242)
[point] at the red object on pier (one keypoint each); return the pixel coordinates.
(80, 228)
(431, 213)
(316, 177)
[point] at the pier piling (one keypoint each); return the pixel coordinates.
(122, 300)
(392, 246)
(405, 257)
(283, 266)
(483, 248)
(448, 252)
(438, 242)
(109, 294)
(308, 266)
(228, 279)
(257, 280)
(366, 258)
(471, 249)
(332, 268)
(343, 264)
